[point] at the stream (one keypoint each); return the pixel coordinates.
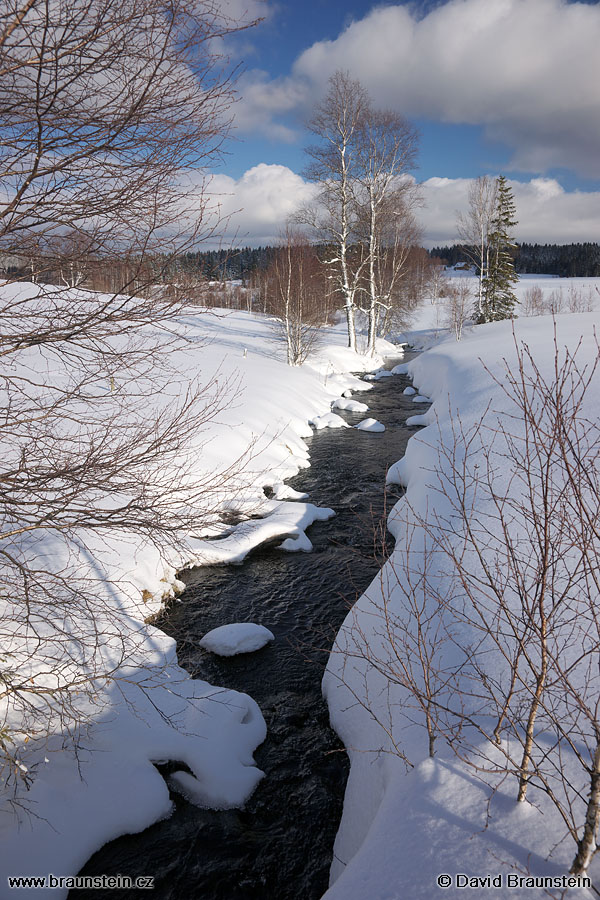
(279, 846)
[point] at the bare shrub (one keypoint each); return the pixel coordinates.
(533, 303)
(295, 289)
(458, 305)
(579, 300)
(486, 620)
(104, 106)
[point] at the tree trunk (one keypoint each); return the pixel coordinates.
(587, 845)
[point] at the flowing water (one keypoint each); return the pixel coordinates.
(279, 847)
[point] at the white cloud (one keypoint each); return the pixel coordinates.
(259, 203)
(244, 11)
(527, 70)
(546, 213)
(263, 99)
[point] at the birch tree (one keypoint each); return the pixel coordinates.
(385, 198)
(364, 209)
(474, 229)
(337, 121)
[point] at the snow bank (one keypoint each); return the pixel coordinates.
(408, 819)
(151, 710)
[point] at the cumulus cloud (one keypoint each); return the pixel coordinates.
(264, 99)
(258, 204)
(546, 212)
(527, 70)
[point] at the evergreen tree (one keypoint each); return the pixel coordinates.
(499, 299)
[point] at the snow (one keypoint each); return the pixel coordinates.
(404, 821)
(409, 391)
(236, 637)
(278, 518)
(408, 819)
(559, 295)
(370, 425)
(350, 405)
(328, 420)
(152, 710)
(421, 419)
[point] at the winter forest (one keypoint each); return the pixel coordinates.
(300, 500)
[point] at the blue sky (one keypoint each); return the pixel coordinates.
(493, 86)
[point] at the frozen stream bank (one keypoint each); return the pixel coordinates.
(280, 844)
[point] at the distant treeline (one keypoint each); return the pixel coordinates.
(566, 260)
(228, 265)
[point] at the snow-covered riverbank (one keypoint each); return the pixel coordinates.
(408, 818)
(151, 710)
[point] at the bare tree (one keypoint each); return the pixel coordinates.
(105, 108)
(458, 305)
(295, 289)
(385, 198)
(474, 227)
(364, 210)
(334, 165)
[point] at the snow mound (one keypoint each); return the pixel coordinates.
(383, 373)
(401, 369)
(370, 425)
(422, 419)
(195, 791)
(329, 420)
(237, 637)
(280, 518)
(300, 541)
(283, 491)
(350, 405)
(420, 398)
(409, 390)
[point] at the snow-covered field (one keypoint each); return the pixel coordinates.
(408, 818)
(406, 821)
(556, 295)
(152, 710)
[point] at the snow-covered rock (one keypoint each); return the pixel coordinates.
(236, 637)
(418, 420)
(350, 405)
(328, 420)
(370, 425)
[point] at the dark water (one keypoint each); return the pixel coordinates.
(279, 846)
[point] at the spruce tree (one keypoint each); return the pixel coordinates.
(499, 299)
